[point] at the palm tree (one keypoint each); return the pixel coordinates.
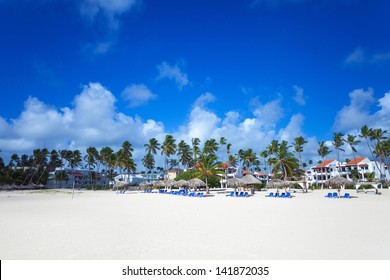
(105, 154)
(208, 167)
(90, 158)
(248, 157)
(153, 146)
(195, 147)
(264, 155)
(184, 152)
(338, 142)
(379, 135)
(148, 161)
(126, 158)
(168, 148)
(298, 147)
(323, 151)
(352, 142)
(222, 141)
(210, 146)
(285, 161)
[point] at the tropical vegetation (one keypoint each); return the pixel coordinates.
(282, 159)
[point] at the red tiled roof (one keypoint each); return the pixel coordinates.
(325, 163)
(356, 161)
(246, 172)
(260, 173)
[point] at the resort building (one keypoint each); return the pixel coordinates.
(331, 168)
(172, 173)
(79, 178)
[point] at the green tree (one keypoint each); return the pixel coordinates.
(338, 142)
(208, 167)
(285, 161)
(168, 148)
(298, 147)
(184, 152)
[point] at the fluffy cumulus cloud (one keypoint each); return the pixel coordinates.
(270, 113)
(299, 97)
(92, 121)
(174, 73)
(138, 95)
(357, 113)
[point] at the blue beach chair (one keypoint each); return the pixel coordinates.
(288, 195)
(335, 195)
(271, 194)
(346, 195)
(230, 194)
(329, 195)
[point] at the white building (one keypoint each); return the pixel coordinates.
(331, 168)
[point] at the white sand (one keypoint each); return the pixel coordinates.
(104, 225)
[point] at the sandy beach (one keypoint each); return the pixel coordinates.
(50, 225)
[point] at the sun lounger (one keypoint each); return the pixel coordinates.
(282, 195)
(288, 195)
(199, 194)
(271, 194)
(244, 194)
(191, 194)
(230, 194)
(329, 195)
(346, 195)
(335, 195)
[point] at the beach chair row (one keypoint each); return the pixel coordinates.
(238, 194)
(182, 193)
(280, 195)
(336, 195)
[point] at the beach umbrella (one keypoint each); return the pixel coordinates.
(196, 183)
(180, 183)
(337, 182)
(277, 183)
(159, 183)
(145, 184)
(250, 180)
(235, 182)
(169, 184)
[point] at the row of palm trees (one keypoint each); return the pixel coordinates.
(279, 158)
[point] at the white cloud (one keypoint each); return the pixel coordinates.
(204, 99)
(93, 120)
(173, 73)
(357, 56)
(270, 113)
(137, 95)
(299, 98)
(352, 117)
(356, 114)
(293, 129)
(360, 56)
(110, 9)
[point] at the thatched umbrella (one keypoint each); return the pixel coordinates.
(277, 183)
(180, 183)
(196, 183)
(250, 180)
(337, 182)
(235, 182)
(145, 184)
(159, 183)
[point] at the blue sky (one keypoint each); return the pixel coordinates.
(76, 73)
